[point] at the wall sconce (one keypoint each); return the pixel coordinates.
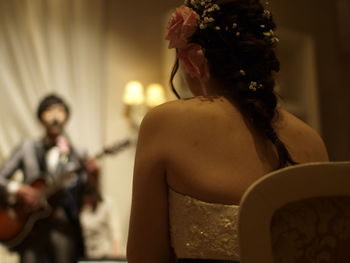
(155, 95)
(134, 93)
(138, 102)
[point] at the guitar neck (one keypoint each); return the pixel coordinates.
(112, 149)
(100, 155)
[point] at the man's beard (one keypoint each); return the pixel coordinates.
(55, 123)
(55, 127)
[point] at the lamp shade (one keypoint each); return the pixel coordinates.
(155, 95)
(133, 93)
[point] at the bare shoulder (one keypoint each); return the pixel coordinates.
(163, 115)
(160, 122)
(297, 132)
(175, 114)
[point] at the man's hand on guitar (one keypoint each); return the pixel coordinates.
(29, 196)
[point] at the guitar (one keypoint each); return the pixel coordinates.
(16, 221)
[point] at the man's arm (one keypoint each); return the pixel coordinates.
(11, 191)
(8, 190)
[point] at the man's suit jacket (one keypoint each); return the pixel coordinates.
(29, 157)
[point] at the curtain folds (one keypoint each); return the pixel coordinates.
(51, 46)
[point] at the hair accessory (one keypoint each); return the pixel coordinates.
(235, 28)
(181, 26)
(253, 86)
(242, 72)
(206, 8)
(267, 13)
(269, 33)
(193, 61)
(201, 14)
(271, 36)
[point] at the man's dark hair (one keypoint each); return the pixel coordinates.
(50, 100)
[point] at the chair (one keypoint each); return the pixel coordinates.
(298, 214)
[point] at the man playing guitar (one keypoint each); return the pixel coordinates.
(56, 238)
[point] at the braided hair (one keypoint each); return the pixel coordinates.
(237, 38)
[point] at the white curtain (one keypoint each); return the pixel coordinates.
(51, 46)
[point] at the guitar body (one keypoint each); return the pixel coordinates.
(16, 222)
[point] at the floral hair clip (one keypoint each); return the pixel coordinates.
(181, 26)
(199, 15)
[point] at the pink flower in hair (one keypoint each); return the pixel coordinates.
(193, 61)
(182, 24)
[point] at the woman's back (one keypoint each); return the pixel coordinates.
(196, 157)
(213, 155)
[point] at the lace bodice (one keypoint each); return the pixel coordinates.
(202, 230)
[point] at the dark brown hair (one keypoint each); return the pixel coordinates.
(239, 48)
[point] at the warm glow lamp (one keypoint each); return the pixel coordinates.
(134, 94)
(154, 95)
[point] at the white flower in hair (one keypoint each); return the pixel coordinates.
(271, 36)
(267, 13)
(253, 86)
(206, 8)
(208, 19)
(242, 72)
(269, 33)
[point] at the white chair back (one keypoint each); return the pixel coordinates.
(297, 204)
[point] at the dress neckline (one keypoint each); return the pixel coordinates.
(200, 201)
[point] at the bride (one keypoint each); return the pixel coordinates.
(196, 157)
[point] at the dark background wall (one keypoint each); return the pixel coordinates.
(320, 19)
(138, 27)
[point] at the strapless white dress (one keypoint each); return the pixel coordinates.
(201, 230)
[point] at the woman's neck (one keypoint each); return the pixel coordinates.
(205, 88)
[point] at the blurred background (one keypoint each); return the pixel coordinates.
(109, 60)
